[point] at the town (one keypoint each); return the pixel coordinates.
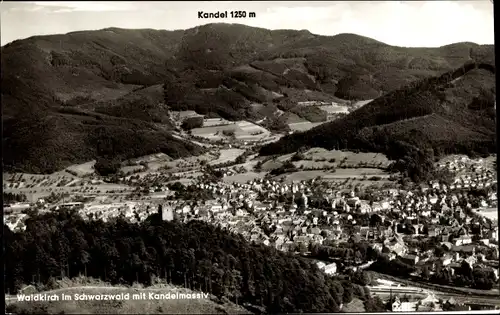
(433, 229)
(262, 162)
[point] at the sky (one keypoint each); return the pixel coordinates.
(398, 23)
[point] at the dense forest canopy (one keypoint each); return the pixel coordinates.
(194, 255)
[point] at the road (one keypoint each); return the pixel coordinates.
(494, 293)
(461, 298)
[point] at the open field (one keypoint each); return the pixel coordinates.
(334, 109)
(178, 165)
(313, 164)
(349, 157)
(243, 178)
(211, 122)
(290, 118)
(285, 157)
(83, 169)
(303, 126)
(358, 172)
(340, 174)
(189, 176)
(354, 168)
(213, 132)
(248, 131)
(227, 155)
(133, 168)
(36, 186)
(271, 164)
(243, 130)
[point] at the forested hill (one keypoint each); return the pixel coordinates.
(65, 95)
(197, 256)
(451, 113)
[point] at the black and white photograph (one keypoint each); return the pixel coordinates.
(249, 157)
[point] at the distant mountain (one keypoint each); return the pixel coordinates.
(451, 113)
(72, 89)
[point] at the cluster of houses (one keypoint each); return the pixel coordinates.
(293, 225)
(428, 304)
(15, 221)
(470, 173)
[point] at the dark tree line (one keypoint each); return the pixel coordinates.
(194, 255)
(12, 197)
(182, 94)
(392, 267)
(107, 166)
(192, 122)
(465, 276)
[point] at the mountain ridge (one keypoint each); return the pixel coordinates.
(215, 69)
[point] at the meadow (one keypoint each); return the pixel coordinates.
(303, 126)
(241, 130)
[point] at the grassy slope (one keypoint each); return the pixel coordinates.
(145, 306)
(216, 69)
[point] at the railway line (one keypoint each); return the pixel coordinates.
(460, 298)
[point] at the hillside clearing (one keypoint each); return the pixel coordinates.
(83, 169)
(303, 126)
(240, 130)
(340, 174)
(227, 155)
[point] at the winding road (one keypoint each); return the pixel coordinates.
(461, 298)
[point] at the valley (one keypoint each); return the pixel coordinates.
(240, 162)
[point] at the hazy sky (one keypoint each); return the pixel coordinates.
(417, 24)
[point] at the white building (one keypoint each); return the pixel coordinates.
(167, 214)
(331, 269)
(399, 306)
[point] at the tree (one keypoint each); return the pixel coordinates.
(439, 251)
(426, 273)
(348, 292)
(375, 304)
(107, 166)
(228, 133)
(192, 122)
(173, 92)
(375, 220)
